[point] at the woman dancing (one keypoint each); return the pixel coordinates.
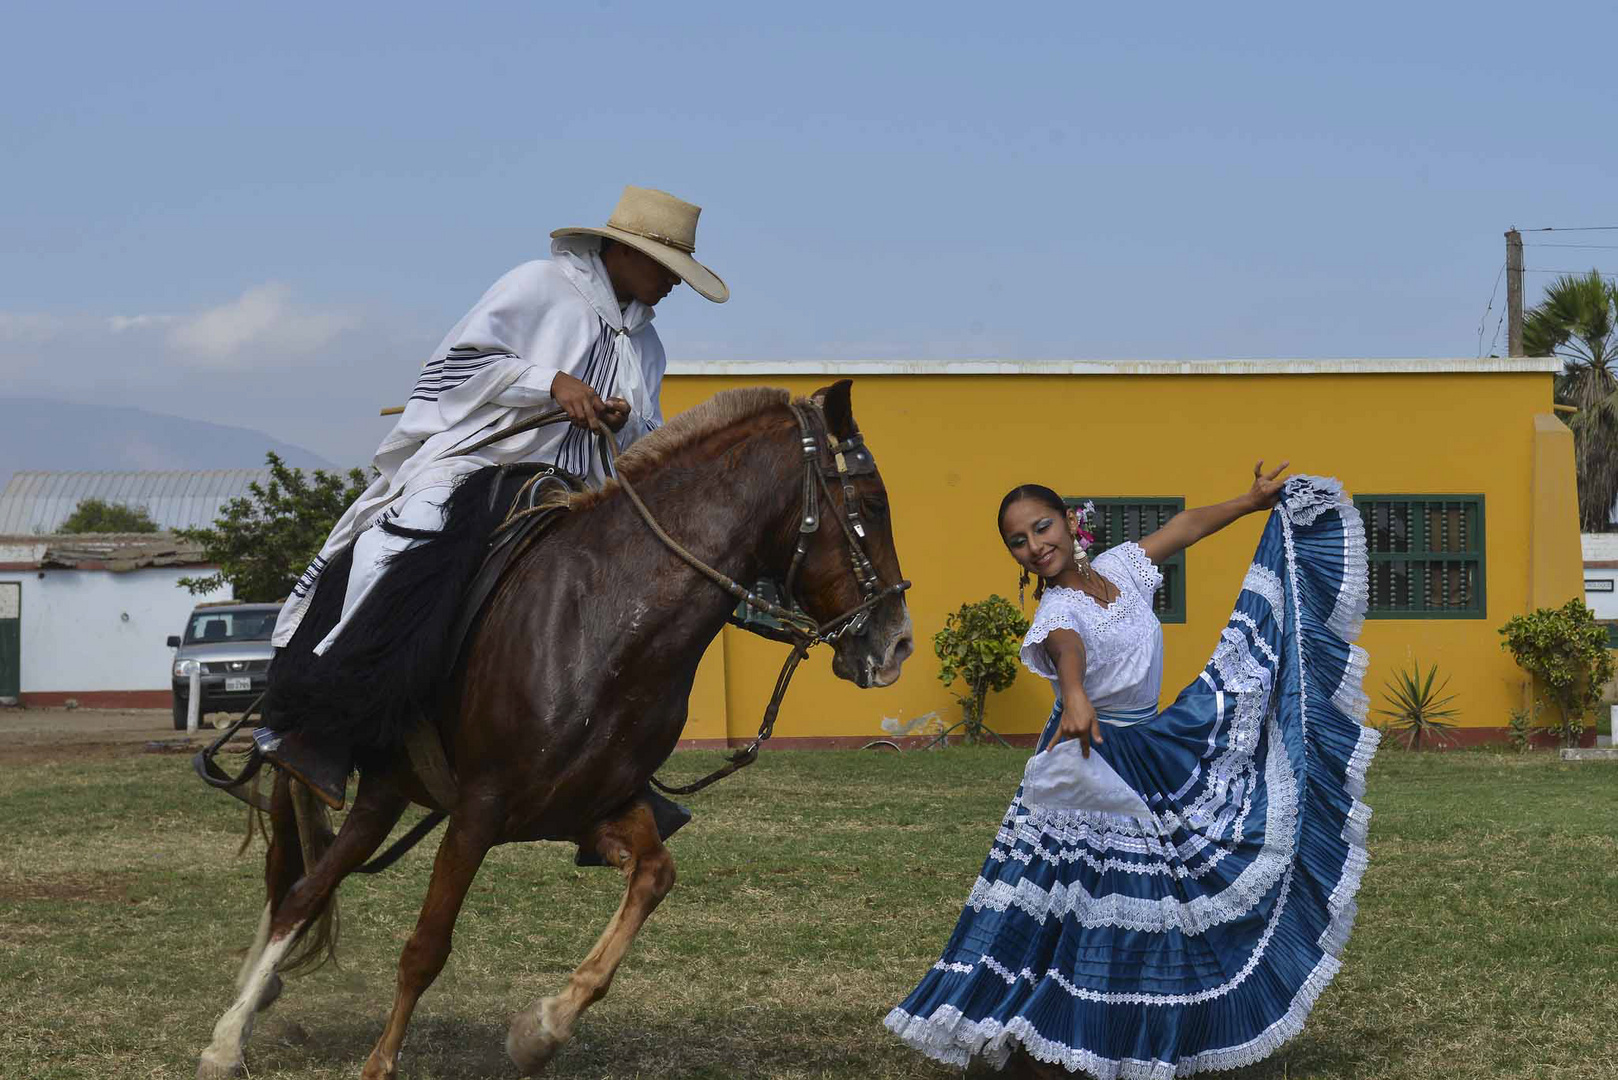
(1169, 891)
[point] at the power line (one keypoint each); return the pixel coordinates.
(1573, 273)
(1580, 228)
(1483, 321)
(1602, 247)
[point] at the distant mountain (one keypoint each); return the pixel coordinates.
(38, 433)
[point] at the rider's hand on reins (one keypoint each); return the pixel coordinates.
(614, 413)
(578, 398)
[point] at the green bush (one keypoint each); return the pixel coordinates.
(978, 646)
(100, 516)
(1565, 649)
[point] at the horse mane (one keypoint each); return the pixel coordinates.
(695, 424)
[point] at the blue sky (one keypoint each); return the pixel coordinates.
(268, 214)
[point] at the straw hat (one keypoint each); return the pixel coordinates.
(655, 223)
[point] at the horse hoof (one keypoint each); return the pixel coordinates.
(534, 1038)
(378, 1069)
(212, 1067)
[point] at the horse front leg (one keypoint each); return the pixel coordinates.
(283, 866)
(629, 842)
(471, 834)
(376, 810)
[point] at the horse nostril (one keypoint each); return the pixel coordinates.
(902, 651)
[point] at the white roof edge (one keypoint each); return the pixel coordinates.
(754, 368)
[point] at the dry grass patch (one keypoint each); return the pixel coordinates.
(813, 891)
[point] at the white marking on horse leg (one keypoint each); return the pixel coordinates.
(537, 1033)
(272, 989)
(260, 938)
(223, 1057)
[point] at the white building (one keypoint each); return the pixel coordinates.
(86, 617)
(1601, 574)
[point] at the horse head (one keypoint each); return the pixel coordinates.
(850, 564)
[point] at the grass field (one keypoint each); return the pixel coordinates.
(814, 890)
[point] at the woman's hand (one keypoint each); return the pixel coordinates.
(1079, 722)
(1266, 489)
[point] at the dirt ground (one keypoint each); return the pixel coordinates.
(29, 736)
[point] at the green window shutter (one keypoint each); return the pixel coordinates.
(1124, 518)
(1426, 554)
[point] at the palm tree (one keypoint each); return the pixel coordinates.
(1577, 321)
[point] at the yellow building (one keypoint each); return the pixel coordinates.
(1462, 468)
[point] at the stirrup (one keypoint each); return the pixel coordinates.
(669, 815)
(320, 766)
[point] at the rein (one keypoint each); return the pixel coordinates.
(822, 459)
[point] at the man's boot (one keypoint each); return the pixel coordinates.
(319, 764)
(668, 814)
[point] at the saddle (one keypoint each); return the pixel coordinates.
(520, 488)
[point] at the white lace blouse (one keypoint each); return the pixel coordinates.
(1123, 641)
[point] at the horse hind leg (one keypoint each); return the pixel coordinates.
(376, 810)
(629, 842)
(470, 835)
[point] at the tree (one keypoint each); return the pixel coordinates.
(263, 543)
(1576, 322)
(100, 516)
(979, 646)
(1566, 650)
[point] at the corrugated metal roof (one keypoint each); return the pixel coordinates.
(38, 502)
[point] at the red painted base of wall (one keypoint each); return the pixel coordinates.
(98, 699)
(1460, 739)
(842, 742)
(1464, 737)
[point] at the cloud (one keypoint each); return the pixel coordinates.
(120, 323)
(262, 319)
(29, 327)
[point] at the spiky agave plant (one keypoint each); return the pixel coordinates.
(1418, 712)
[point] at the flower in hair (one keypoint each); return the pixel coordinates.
(1084, 515)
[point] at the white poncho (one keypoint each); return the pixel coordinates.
(493, 370)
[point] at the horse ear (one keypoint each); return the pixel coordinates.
(836, 402)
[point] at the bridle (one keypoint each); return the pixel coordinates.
(825, 461)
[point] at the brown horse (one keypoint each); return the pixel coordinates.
(575, 685)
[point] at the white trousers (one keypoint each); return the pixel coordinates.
(416, 508)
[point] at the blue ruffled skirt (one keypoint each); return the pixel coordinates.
(1197, 937)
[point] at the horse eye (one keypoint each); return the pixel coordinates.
(874, 505)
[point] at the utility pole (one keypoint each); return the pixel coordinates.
(1514, 292)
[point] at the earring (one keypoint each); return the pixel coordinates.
(1022, 588)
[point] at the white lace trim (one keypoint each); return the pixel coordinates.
(1049, 617)
(1305, 498)
(1354, 596)
(1194, 916)
(1264, 582)
(1350, 696)
(1146, 576)
(949, 1037)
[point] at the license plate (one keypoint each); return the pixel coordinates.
(241, 685)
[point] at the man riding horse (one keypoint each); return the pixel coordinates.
(572, 332)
